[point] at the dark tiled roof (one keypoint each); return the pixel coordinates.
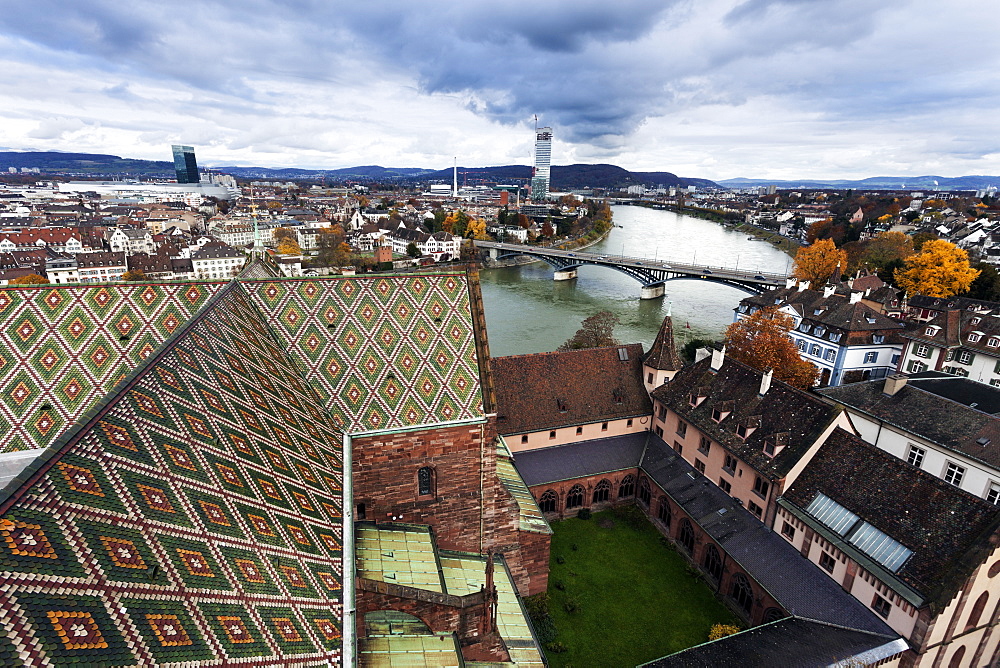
(790, 643)
(982, 397)
(577, 460)
(736, 386)
(945, 303)
(949, 332)
(947, 529)
(216, 249)
(100, 259)
(549, 390)
(799, 586)
(921, 412)
(663, 353)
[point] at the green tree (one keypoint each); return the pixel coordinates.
(412, 250)
(595, 332)
(987, 284)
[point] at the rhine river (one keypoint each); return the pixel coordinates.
(528, 312)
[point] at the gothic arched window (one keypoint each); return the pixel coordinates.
(547, 504)
(663, 512)
(626, 488)
(425, 481)
(686, 535)
(713, 562)
(644, 494)
(602, 492)
(575, 497)
(742, 592)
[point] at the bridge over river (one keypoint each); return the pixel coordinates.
(652, 274)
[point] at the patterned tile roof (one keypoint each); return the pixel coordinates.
(64, 347)
(194, 514)
(550, 390)
(382, 352)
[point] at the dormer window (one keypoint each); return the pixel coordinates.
(932, 330)
(805, 327)
(993, 342)
(975, 321)
(561, 405)
(878, 338)
(743, 308)
(871, 320)
(820, 331)
(974, 337)
(817, 311)
(775, 444)
(835, 336)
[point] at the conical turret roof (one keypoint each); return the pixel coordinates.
(663, 353)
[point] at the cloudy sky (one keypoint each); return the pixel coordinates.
(703, 88)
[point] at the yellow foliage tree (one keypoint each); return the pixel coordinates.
(816, 263)
(288, 247)
(940, 269)
(476, 229)
(134, 275)
(30, 279)
(722, 630)
(761, 340)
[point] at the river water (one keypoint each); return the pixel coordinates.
(528, 312)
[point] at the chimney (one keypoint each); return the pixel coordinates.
(829, 290)
(803, 285)
(765, 381)
(850, 282)
(894, 384)
(700, 354)
(718, 358)
(856, 297)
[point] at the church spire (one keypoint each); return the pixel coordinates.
(662, 354)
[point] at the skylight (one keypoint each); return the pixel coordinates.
(872, 541)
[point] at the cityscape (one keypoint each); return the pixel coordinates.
(633, 353)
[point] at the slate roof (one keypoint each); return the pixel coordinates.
(916, 409)
(662, 354)
(799, 585)
(948, 529)
(577, 460)
(955, 330)
(551, 390)
(800, 416)
(790, 643)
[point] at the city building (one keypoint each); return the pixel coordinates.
(540, 180)
(185, 164)
(958, 342)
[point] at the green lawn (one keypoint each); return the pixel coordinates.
(636, 599)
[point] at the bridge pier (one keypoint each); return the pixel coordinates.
(564, 275)
(653, 291)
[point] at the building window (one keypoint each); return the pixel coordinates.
(915, 367)
(974, 337)
(602, 492)
(881, 606)
(814, 350)
(524, 438)
(649, 378)
(742, 593)
(915, 457)
(965, 357)
(922, 350)
(725, 485)
(662, 413)
(871, 357)
(663, 511)
(993, 342)
(717, 415)
(729, 465)
(604, 426)
(659, 431)
(682, 428)
(699, 466)
(579, 431)
(761, 487)
(425, 481)
(362, 511)
(755, 509)
(686, 535)
(705, 445)
(829, 354)
(644, 493)
(878, 338)
(678, 448)
(895, 359)
(827, 562)
(575, 497)
(552, 434)
(993, 494)
(626, 488)
(713, 562)
(802, 345)
(954, 473)
(788, 531)
(547, 504)
(629, 423)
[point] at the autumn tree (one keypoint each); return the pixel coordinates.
(134, 275)
(920, 238)
(761, 340)
(30, 279)
(817, 263)
(940, 269)
(476, 229)
(885, 247)
(596, 331)
(288, 247)
(547, 230)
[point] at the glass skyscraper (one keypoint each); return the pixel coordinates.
(543, 159)
(185, 165)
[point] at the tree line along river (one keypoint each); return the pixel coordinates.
(528, 312)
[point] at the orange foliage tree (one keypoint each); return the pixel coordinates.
(817, 263)
(761, 340)
(940, 269)
(30, 279)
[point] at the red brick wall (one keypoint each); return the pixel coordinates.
(563, 488)
(469, 510)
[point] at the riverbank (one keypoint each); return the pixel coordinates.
(569, 244)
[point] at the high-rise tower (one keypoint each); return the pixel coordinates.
(185, 165)
(543, 158)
